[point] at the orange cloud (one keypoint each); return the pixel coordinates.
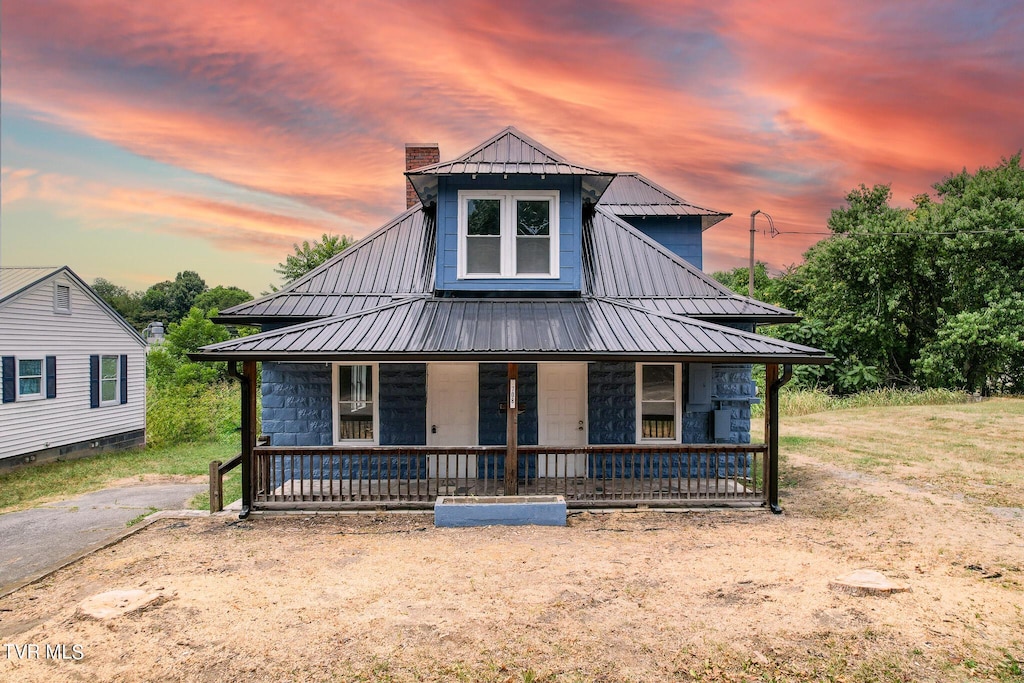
(782, 106)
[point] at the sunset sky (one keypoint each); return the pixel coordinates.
(145, 137)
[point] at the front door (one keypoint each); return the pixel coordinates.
(452, 400)
(562, 398)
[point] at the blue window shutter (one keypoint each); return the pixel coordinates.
(51, 377)
(9, 380)
(94, 381)
(124, 379)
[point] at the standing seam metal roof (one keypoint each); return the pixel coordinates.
(631, 194)
(422, 327)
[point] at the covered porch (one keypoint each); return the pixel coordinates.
(660, 474)
(591, 399)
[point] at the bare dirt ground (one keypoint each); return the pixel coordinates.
(624, 596)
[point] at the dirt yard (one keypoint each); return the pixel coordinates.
(624, 596)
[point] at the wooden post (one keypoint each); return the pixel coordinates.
(248, 434)
(216, 487)
(512, 432)
(771, 435)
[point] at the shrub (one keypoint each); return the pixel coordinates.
(191, 412)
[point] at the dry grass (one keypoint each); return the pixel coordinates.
(974, 450)
(648, 596)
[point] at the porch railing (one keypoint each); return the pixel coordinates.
(588, 476)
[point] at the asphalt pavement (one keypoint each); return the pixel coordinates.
(37, 540)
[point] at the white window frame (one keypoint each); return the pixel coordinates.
(508, 233)
(41, 394)
(117, 380)
(336, 407)
(676, 393)
(57, 284)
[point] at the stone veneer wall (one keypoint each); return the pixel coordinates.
(611, 398)
(297, 404)
(491, 420)
(297, 408)
(403, 404)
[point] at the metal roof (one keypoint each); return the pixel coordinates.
(397, 262)
(448, 329)
(16, 278)
(621, 262)
(631, 194)
(509, 152)
(393, 262)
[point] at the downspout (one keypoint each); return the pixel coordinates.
(773, 438)
(245, 445)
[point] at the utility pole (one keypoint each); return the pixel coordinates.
(750, 277)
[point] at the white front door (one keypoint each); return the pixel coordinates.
(452, 404)
(562, 418)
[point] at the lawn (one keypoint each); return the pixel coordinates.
(30, 486)
(973, 450)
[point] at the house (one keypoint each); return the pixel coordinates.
(73, 371)
(528, 325)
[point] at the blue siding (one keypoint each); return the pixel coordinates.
(297, 404)
(570, 213)
(611, 398)
(403, 404)
(679, 234)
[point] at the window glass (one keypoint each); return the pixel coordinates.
(30, 377)
(533, 236)
(355, 402)
(108, 378)
(658, 402)
(483, 238)
(508, 234)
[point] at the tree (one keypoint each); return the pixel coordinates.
(127, 303)
(221, 297)
(186, 287)
(171, 301)
(928, 296)
(310, 255)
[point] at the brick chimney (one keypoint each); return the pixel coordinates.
(418, 154)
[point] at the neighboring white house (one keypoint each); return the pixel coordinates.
(73, 371)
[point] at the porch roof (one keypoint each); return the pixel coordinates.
(588, 328)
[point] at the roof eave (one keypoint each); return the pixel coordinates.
(507, 356)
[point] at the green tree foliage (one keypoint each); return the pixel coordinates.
(169, 363)
(221, 297)
(309, 255)
(929, 296)
(122, 300)
(170, 301)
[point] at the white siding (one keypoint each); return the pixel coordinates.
(30, 327)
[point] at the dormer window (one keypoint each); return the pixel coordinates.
(508, 234)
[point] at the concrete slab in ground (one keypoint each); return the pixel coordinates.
(32, 541)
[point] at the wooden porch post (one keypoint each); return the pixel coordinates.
(773, 383)
(248, 380)
(512, 432)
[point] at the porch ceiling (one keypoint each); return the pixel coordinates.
(589, 328)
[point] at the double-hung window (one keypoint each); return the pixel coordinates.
(30, 378)
(658, 394)
(109, 380)
(508, 234)
(355, 404)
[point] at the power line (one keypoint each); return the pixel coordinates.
(885, 234)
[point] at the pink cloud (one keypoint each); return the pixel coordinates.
(782, 106)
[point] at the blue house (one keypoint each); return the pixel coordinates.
(527, 326)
